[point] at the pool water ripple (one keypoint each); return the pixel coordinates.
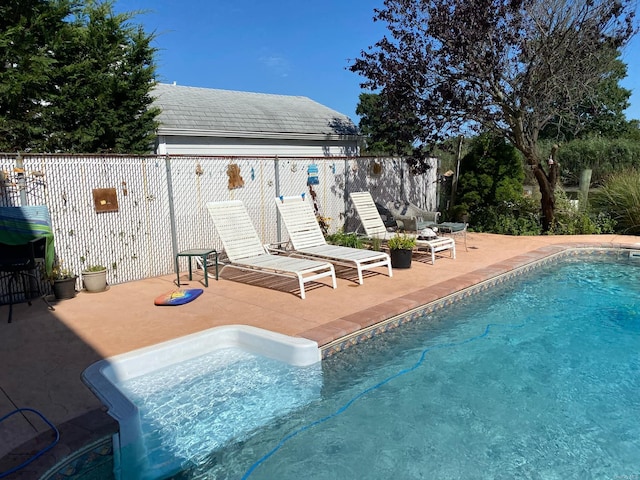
(551, 390)
(535, 378)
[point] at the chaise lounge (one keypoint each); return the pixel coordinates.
(308, 241)
(244, 250)
(374, 227)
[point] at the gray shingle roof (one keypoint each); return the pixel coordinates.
(192, 109)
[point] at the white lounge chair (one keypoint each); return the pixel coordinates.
(244, 250)
(308, 241)
(374, 227)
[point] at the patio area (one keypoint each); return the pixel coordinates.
(44, 352)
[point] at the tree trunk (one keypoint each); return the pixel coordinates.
(456, 174)
(547, 183)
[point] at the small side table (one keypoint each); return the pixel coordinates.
(203, 253)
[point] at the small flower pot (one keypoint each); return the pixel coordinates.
(95, 281)
(65, 288)
(400, 258)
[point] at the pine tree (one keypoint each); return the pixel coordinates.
(28, 31)
(92, 94)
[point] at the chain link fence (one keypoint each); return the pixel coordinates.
(134, 213)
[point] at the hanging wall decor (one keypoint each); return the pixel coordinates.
(235, 180)
(105, 200)
(312, 174)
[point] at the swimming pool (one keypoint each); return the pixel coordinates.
(536, 378)
(179, 400)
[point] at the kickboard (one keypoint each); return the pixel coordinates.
(178, 297)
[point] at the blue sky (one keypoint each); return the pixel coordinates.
(279, 46)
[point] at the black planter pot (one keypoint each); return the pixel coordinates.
(401, 258)
(64, 288)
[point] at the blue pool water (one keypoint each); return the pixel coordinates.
(191, 408)
(536, 379)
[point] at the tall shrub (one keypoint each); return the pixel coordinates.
(491, 175)
(603, 155)
(620, 198)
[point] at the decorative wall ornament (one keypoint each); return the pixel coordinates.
(312, 174)
(105, 200)
(235, 180)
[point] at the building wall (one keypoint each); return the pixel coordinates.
(225, 146)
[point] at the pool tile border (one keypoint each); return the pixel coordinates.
(452, 291)
(90, 457)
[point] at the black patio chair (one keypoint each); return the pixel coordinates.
(18, 267)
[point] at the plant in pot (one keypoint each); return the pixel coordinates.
(63, 282)
(401, 248)
(95, 278)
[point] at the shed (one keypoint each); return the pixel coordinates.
(206, 121)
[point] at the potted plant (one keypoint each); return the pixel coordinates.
(63, 282)
(95, 278)
(401, 248)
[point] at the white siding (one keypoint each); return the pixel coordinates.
(188, 145)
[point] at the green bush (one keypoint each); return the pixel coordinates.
(345, 239)
(619, 198)
(604, 156)
(401, 242)
(491, 174)
(523, 218)
(520, 217)
(569, 220)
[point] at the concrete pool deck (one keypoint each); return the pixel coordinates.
(43, 352)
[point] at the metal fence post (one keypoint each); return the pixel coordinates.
(21, 181)
(276, 168)
(172, 212)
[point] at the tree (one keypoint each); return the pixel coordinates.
(491, 174)
(383, 134)
(29, 30)
(599, 115)
(506, 66)
(94, 94)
